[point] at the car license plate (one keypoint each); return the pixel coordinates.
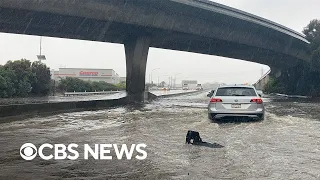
(235, 105)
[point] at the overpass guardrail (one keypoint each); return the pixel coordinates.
(89, 93)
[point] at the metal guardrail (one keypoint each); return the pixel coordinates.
(266, 74)
(89, 93)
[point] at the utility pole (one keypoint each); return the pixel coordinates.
(40, 56)
(175, 77)
(151, 74)
(40, 47)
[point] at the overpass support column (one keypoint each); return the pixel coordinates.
(136, 49)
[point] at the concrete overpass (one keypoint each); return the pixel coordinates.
(198, 26)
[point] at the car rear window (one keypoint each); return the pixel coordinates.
(236, 91)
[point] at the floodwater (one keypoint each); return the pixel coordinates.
(286, 145)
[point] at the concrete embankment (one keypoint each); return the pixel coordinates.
(54, 107)
(60, 107)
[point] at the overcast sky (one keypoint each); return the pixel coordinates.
(294, 14)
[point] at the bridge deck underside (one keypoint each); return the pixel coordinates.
(64, 26)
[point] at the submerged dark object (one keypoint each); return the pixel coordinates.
(194, 136)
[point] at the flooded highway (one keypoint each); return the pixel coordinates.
(286, 145)
(61, 98)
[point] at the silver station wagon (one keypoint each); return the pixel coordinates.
(235, 101)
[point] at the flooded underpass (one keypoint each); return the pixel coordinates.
(284, 146)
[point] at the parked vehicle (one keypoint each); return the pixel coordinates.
(199, 87)
(235, 101)
(189, 86)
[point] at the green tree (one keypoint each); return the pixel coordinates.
(22, 76)
(103, 86)
(41, 78)
(312, 32)
(121, 85)
(274, 86)
(7, 83)
(21, 69)
(303, 79)
(162, 84)
(70, 84)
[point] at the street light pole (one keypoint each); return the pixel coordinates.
(151, 74)
(40, 47)
(40, 56)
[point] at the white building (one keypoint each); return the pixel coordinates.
(189, 84)
(123, 79)
(106, 75)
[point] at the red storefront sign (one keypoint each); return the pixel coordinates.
(88, 73)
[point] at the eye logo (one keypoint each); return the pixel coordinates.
(28, 151)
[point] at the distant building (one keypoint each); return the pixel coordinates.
(123, 79)
(189, 84)
(106, 75)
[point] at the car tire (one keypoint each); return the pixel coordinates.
(211, 118)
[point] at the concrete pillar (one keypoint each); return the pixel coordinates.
(136, 49)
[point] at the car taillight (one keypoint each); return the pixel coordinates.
(214, 100)
(256, 100)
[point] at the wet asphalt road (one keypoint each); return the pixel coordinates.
(61, 98)
(286, 145)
